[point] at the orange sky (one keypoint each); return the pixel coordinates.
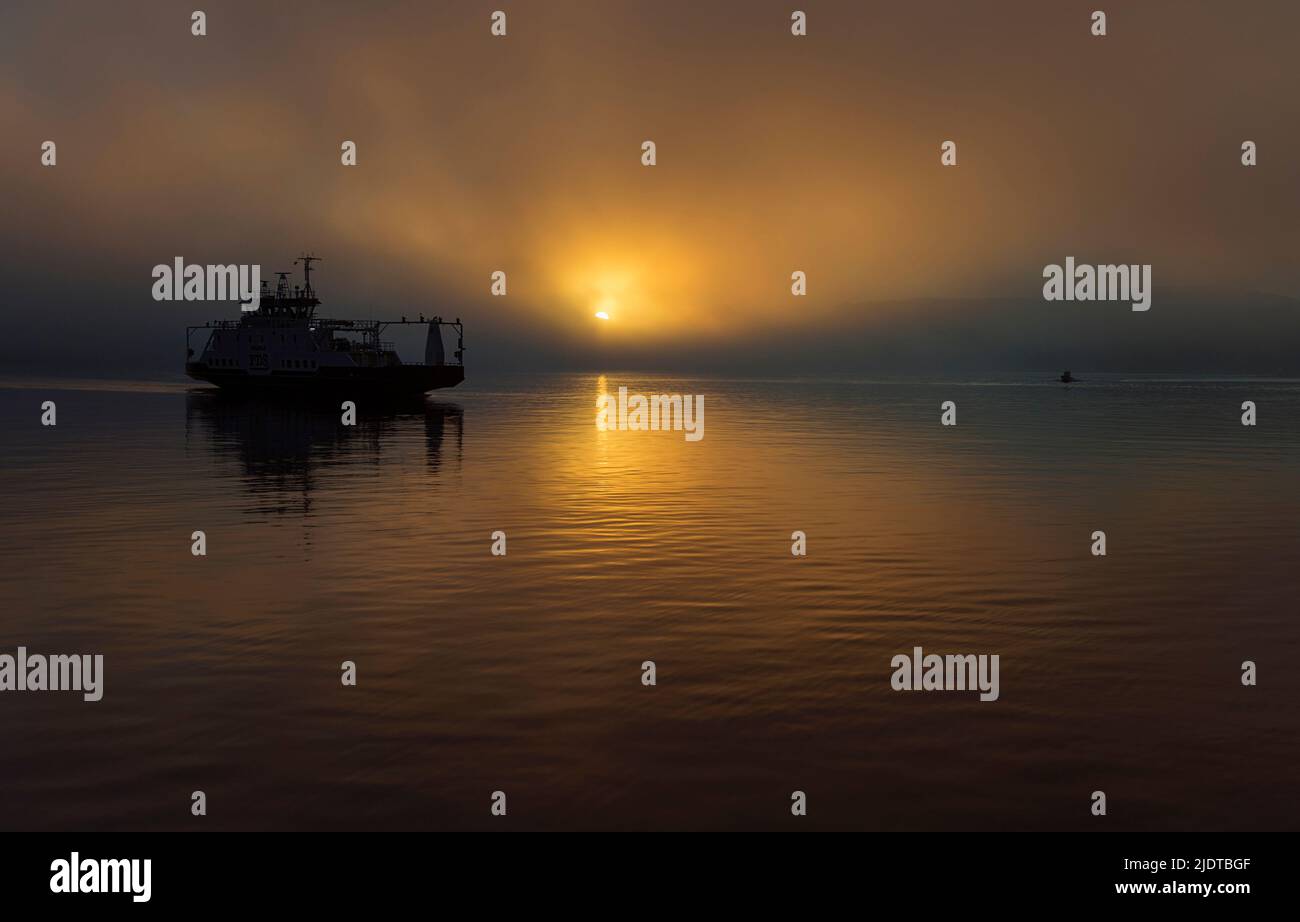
(522, 153)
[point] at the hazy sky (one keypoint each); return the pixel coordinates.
(775, 153)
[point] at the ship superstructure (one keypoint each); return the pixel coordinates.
(283, 344)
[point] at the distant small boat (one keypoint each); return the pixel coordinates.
(1067, 378)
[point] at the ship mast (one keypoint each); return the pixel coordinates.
(306, 259)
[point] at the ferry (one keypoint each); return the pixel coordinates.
(284, 346)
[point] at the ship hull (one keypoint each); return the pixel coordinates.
(395, 380)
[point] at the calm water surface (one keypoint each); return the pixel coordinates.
(522, 674)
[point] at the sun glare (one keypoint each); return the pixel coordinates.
(604, 306)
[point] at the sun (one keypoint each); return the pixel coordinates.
(602, 315)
